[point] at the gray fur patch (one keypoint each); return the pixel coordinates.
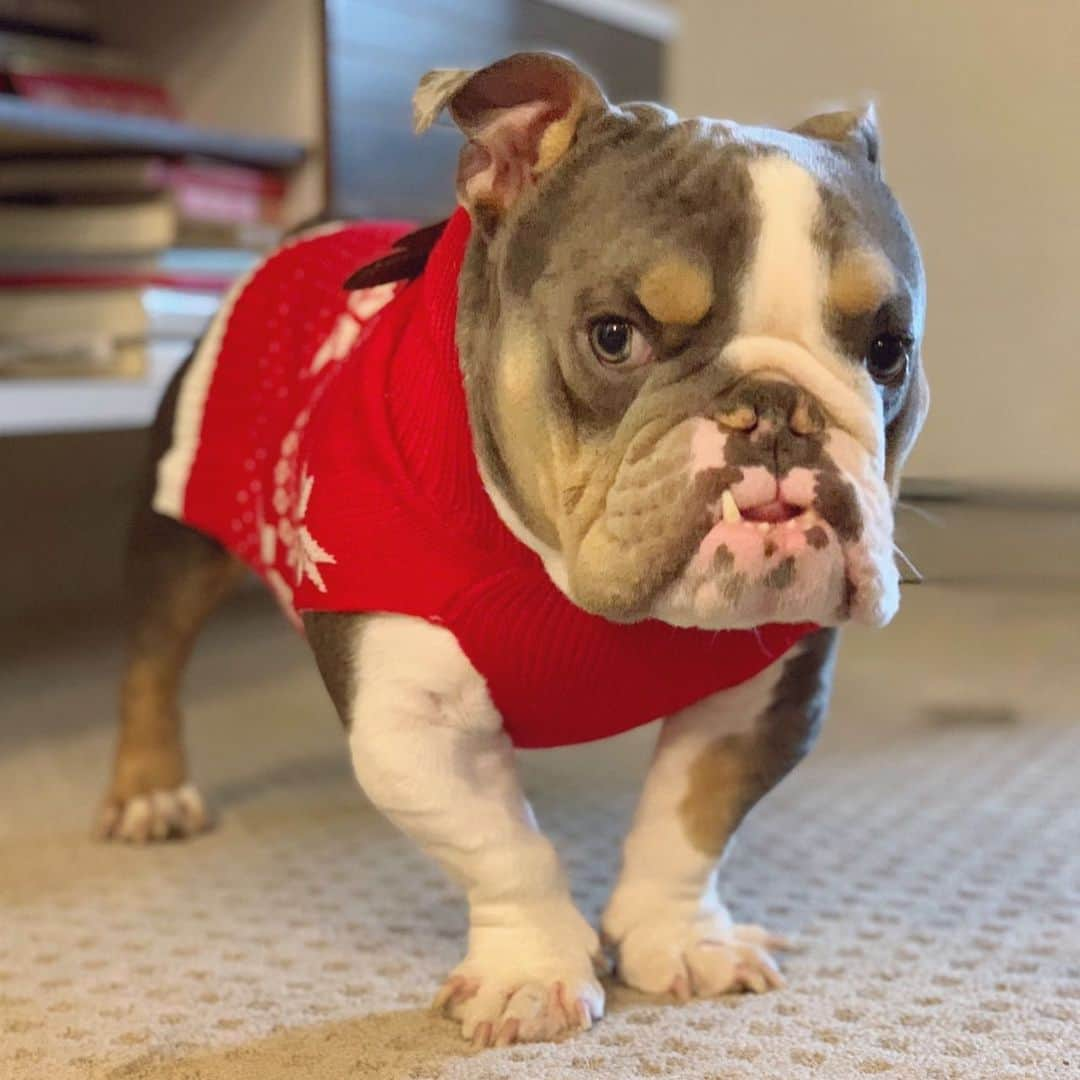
(334, 639)
(723, 559)
(835, 500)
(781, 576)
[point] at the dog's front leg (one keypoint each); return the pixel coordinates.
(713, 762)
(430, 751)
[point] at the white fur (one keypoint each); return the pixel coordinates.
(782, 304)
(429, 750)
(553, 560)
(672, 931)
(782, 294)
(174, 468)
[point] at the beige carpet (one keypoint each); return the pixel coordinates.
(927, 857)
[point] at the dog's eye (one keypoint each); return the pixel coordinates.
(887, 357)
(616, 341)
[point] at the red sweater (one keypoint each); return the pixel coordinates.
(323, 437)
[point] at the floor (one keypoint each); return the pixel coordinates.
(925, 857)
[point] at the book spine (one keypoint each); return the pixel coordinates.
(237, 177)
(226, 197)
(86, 91)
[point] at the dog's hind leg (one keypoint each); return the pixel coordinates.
(175, 577)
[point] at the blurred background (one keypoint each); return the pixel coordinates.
(150, 151)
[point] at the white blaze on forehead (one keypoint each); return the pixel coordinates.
(783, 301)
(784, 292)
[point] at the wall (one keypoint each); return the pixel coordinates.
(978, 106)
(377, 50)
(67, 502)
(244, 65)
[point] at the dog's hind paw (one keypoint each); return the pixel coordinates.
(157, 815)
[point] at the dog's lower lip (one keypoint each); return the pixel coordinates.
(773, 512)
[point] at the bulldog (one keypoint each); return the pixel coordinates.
(619, 442)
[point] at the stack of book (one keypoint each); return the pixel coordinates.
(100, 258)
(105, 256)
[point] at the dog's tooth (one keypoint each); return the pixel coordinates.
(763, 526)
(730, 507)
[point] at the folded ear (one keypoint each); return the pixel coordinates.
(520, 116)
(856, 129)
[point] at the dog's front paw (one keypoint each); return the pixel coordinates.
(700, 957)
(157, 815)
(531, 982)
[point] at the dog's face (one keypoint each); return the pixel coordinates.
(691, 349)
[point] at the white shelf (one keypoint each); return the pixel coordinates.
(34, 407)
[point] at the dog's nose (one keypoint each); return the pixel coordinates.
(773, 423)
(770, 406)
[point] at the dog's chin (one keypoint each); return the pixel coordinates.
(748, 573)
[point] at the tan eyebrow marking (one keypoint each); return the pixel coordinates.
(676, 291)
(861, 281)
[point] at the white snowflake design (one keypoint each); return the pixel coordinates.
(306, 553)
(302, 554)
(362, 305)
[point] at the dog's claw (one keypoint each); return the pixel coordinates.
(680, 989)
(456, 988)
(751, 978)
(584, 1016)
(482, 1035)
(446, 993)
(507, 1033)
(558, 998)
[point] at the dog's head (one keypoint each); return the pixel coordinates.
(690, 348)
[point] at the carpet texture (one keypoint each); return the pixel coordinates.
(926, 858)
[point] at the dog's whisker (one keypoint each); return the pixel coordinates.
(922, 512)
(913, 575)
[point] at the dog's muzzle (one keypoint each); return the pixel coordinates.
(802, 528)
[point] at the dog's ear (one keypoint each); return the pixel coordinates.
(520, 116)
(856, 129)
